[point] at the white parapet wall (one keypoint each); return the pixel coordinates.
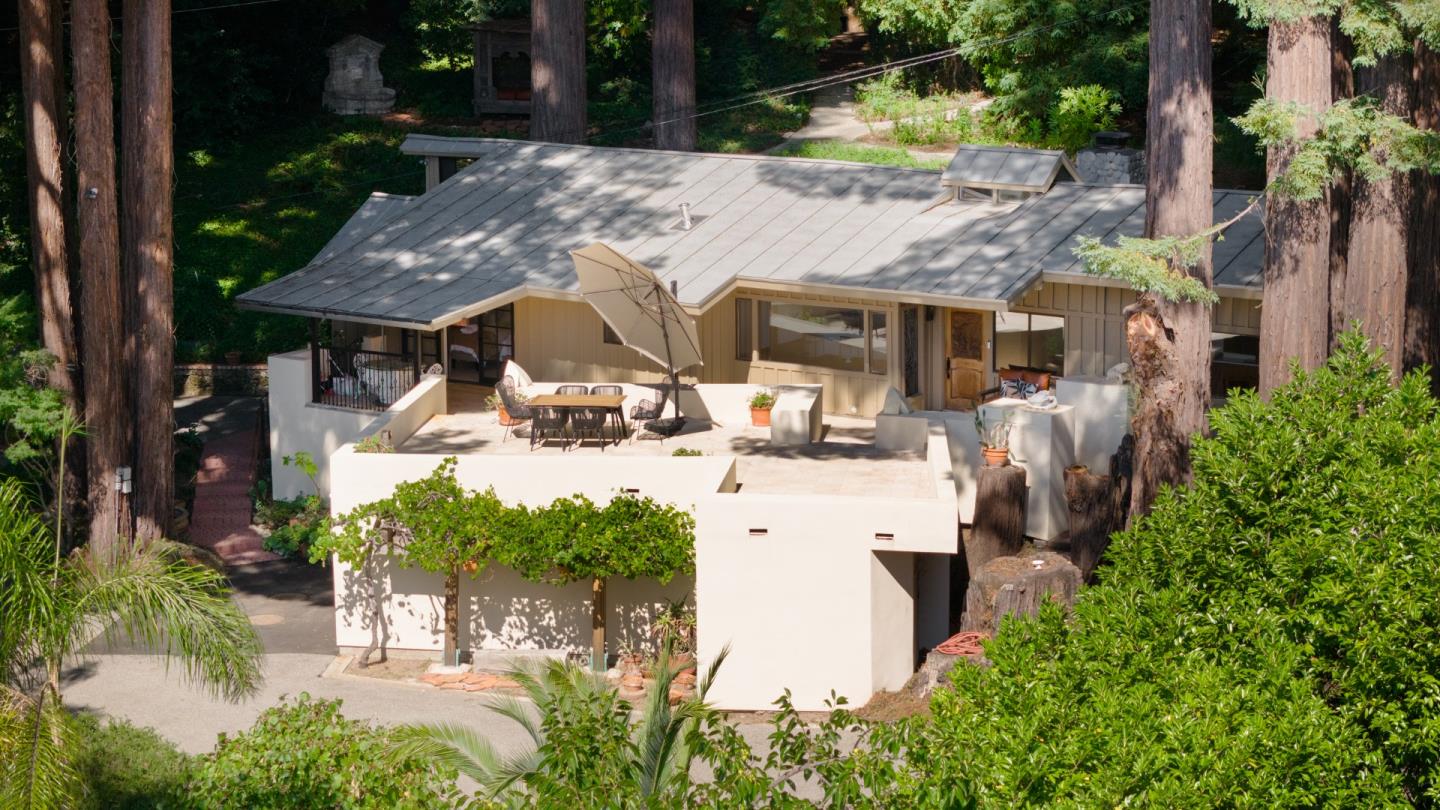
(299, 425)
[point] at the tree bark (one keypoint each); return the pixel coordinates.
(1422, 290)
(1169, 341)
(597, 624)
(452, 616)
(557, 71)
(1374, 291)
(999, 528)
(107, 416)
(42, 78)
(146, 172)
(1342, 85)
(1016, 586)
(673, 76)
(1295, 320)
(1088, 496)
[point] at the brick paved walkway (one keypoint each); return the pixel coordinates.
(221, 516)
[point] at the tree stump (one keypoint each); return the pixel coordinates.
(999, 528)
(1014, 586)
(1091, 516)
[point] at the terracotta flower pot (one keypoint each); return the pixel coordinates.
(760, 417)
(470, 566)
(633, 682)
(996, 456)
(633, 663)
(504, 417)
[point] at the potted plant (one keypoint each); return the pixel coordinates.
(994, 440)
(494, 403)
(760, 404)
(676, 626)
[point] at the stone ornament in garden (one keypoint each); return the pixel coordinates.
(355, 86)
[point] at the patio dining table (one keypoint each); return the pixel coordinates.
(613, 404)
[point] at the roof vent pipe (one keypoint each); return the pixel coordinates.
(685, 221)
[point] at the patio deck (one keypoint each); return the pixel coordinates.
(846, 461)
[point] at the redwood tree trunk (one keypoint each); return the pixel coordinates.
(1295, 320)
(42, 84)
(146, 171)
(1342, 85)
(673, 76)
(1169, 342)
(107, 416)
(557, 71)
(1380, 226)
(1422, 293)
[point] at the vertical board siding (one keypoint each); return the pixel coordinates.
(562, 340)
(1095, 321)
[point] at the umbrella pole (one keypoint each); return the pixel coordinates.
(669, 355)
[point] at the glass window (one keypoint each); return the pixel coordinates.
(879, 350)
(608, 335)
(1234, 362)
(1023, 340)
(910, 355)
(813, 335)
(744, 312)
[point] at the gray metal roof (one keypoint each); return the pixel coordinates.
(1007, 168)
(377, 209)
(503, 227)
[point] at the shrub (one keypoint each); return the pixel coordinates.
(1079, 113)
(686, 452)
(294, 525)
(129, 768)
(305, 755)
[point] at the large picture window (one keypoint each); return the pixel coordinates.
(1023, 340)
(840, 338)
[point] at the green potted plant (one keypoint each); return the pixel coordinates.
(675, 626)
(994, 440)
(760, 404)
(494, 403)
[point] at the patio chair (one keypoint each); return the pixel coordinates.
(608, 390)
(519, 412)
(642, 414)
(589, 422)
(546, 421)
(572, 390)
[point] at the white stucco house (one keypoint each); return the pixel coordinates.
(880, 302)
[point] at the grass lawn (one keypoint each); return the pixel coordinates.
(256, 212)
(862, 153)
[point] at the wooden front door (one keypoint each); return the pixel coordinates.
(964, 358)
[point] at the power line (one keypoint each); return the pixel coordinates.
(182, 11)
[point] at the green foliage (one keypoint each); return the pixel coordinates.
(1354, 135)
(129, 768)
(1079, 114)
(295, 525)
(304, 755)
(584, 743)
(806, 23)
(686, 452)
(375, 443)
(572, 539)
(1026, 51)
(1375, 27)
(762, 399)
(1147, 265)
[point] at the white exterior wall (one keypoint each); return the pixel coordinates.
(299, 425)
(823, 601)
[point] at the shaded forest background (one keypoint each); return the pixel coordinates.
(264, 177)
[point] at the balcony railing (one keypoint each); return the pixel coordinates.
(359, 379)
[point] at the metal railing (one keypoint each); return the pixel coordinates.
(359, 379)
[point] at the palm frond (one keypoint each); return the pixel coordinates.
(31, 603)
(36, 742)
(176, 609)
(449, 745)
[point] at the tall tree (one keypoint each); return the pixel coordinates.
(43, 87)
(1169, 340)
(557, 71)
(1422, 293)
(1379, 228)
(1295, 320)
(146, 169)
(673, 76)
(106, 413)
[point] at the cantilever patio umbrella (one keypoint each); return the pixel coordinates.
(636, 305)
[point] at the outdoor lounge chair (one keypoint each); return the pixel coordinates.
(642, 414)
(519, 412)
(608, 390)
(572, 390)
(546, 421)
